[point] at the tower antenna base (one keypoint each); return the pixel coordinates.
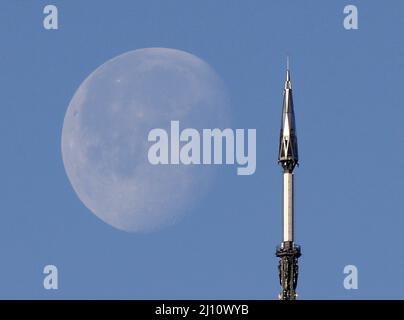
(288, 254)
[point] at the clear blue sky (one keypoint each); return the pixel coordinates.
(349, 187)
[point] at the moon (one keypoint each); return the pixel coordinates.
(105, 136)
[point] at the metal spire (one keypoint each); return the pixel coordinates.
(288, 157)
(287, 72)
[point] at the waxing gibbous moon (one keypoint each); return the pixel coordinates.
(105, 136)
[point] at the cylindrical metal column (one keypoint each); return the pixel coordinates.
(288, 206)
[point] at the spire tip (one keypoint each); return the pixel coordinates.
(287, 84)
